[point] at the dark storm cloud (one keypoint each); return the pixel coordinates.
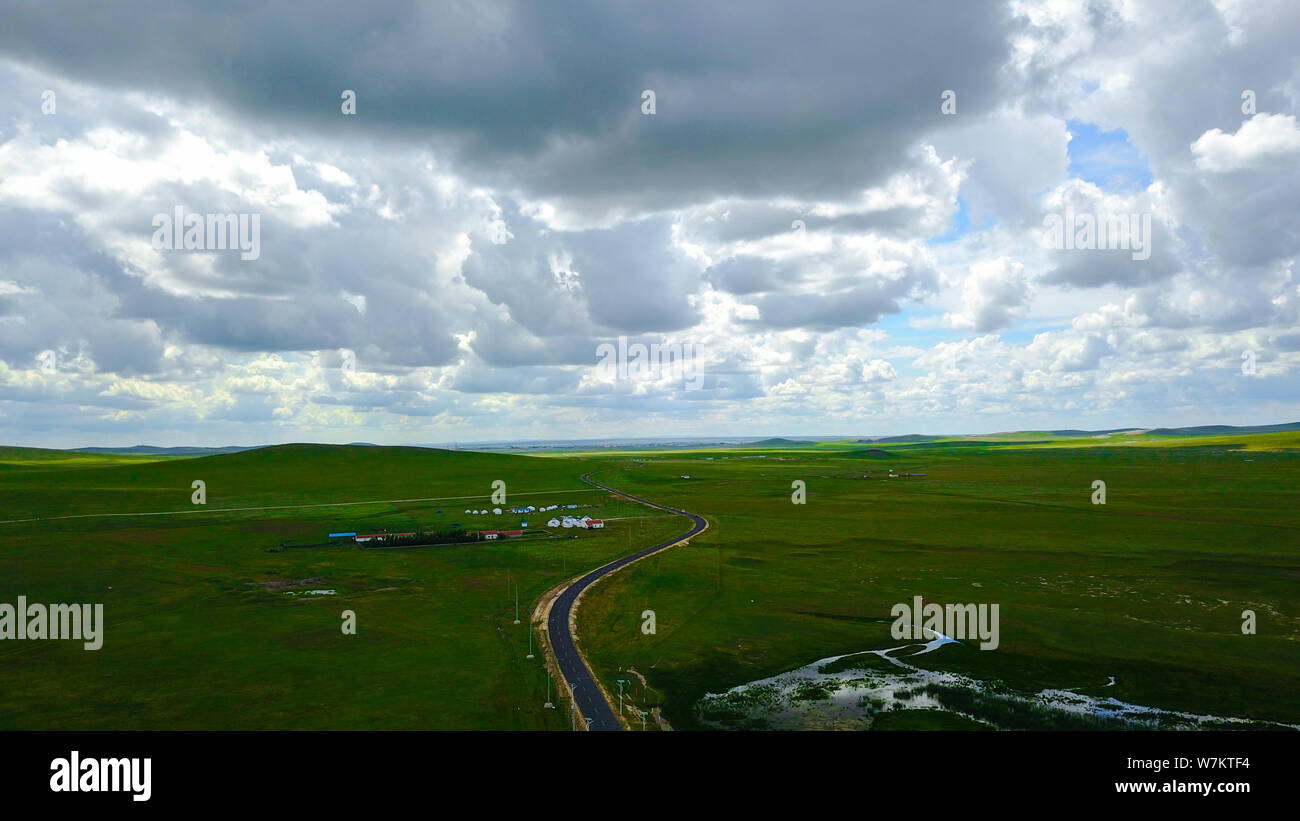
(500, 206)
(754, 98)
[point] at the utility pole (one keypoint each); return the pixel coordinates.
(530, 642)
(516, 604)
(621, 682)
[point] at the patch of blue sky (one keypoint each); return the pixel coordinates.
(961, 225)
(1107, 159)
(902, 332)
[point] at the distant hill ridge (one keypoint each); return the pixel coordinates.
(1225, 430)
(150, 450)
(1200, 430)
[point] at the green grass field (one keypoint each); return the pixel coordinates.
(195, 639)
(1146, 590)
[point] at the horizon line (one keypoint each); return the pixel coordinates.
(810, 438)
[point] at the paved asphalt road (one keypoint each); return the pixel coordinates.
(590, 700)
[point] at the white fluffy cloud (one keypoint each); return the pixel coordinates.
(839, 255)
(1261, 138)
(994, 295)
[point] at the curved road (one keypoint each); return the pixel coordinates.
(590, 700)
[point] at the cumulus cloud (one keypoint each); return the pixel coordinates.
(842, 254)
(1262, 137)
(994, 295)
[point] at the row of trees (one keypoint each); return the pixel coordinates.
(422, 538)
(453, 536)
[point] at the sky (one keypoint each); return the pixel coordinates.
(462, 219)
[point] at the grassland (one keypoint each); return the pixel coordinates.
(200, 636)
(203, 632)
(1148, 588)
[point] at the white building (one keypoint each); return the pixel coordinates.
(496, 511)
(553, 523)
